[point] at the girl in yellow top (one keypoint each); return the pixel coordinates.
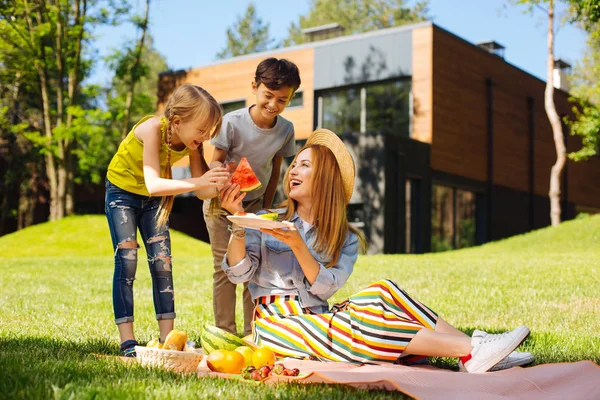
(139, 194)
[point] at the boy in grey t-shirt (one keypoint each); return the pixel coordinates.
(264, 137)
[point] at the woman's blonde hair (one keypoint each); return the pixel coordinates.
(188, 103)
(328, 205)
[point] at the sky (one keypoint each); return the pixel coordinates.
(189, 33)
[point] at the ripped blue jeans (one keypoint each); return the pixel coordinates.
(126, 212)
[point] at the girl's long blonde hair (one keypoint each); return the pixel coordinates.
(328, 204)
(188, 103)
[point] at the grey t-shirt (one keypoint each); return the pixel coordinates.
(240, 137)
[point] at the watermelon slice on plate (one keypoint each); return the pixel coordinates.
(245, 176)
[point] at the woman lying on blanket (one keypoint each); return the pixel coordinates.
(292, 272)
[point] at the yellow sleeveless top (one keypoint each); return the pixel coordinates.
(126, 169)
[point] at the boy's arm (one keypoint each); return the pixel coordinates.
(273, 181)
(218, 158)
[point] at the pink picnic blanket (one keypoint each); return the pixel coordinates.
(580, 380)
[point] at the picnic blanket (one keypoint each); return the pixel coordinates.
(579, 380)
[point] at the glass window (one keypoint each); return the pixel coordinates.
(442, 217)
(465, 219)
(385, 107)
(297, 100)
(452, 218)
(232, 106)
(388, 108)
(341, 110)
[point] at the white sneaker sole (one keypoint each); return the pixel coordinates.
(521, 335)
(502, 365)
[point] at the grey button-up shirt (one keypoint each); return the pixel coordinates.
(271, 268)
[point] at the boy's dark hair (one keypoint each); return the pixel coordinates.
(275, 74)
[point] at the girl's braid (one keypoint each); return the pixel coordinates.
(169, 134)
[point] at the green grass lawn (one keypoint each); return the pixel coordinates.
(56, 307)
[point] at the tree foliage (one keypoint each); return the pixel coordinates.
(51, 37)
(247, 35)
(357, 16)
(585, 82)
(99, 151)
(585, 96)
(131, 69)
(586, 13)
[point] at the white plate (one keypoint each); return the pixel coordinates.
(256, 222)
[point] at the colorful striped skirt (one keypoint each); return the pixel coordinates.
(374, 325)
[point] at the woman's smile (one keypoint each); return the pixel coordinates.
(295, 182)
(301, 176)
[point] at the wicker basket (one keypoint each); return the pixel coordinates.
(178, 361)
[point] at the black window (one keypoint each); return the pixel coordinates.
(383, 107)
(233, 105)
(297, 100)
(388, 108)
(452, 218)
(341, 110)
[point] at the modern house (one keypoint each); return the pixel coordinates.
(452, 143)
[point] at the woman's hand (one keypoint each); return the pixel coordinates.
(217, 178)
(231, 198)
(289, 236)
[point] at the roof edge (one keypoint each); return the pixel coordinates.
(320, 43)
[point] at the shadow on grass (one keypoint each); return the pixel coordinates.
(45, 367)
(42, 367)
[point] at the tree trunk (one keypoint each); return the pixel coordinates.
(60, 113)
(134, 78)
(79, 12)
(559, 141)
(27, 201)
(40, 65)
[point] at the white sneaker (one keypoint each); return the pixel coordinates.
(489, 349)
(514, 359)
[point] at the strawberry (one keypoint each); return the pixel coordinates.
(265, 371)
(255, 375)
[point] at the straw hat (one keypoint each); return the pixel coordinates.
(326, 138)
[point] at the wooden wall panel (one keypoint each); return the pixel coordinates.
(545, 154)
(422, 56)
(511, 141)
(459, 142)
(583, 178)
(231, 81)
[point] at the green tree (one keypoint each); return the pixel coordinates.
(247, 35)
(586, 13)
(130, 68)
(357, 16)
(51, 36)
(585, 84)
(98, 150)
(585, 96)
(20, 166)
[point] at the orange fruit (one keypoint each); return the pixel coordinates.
(234, 362)
(262, 356)
(216, 360)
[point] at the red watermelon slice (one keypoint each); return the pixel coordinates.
(245, 177)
